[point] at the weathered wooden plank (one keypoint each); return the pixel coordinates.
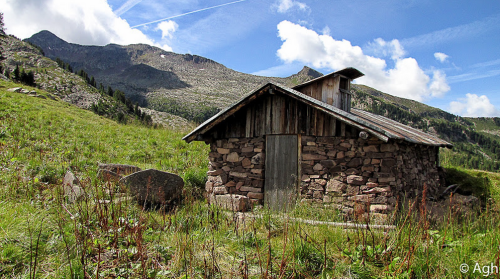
(342, 129)
(281, 171)
(333, 126)
(336, 94)
(320, 123)
(249, 121)
(268, 118)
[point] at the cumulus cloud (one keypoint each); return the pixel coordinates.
(283, 6)
(406, 79)
(441, 57)
(167, 28)
(474, 106)
(90, 22)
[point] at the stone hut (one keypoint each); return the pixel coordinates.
(277, 144)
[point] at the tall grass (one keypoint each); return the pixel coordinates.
(106, 235)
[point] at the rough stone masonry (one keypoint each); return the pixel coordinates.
(354, 175)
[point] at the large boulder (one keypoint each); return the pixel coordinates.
(154, 187)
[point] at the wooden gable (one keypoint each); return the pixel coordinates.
(279, 114)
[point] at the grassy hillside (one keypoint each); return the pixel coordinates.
(43, 236)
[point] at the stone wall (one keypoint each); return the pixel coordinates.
(354, 175)
(359, 176)
(236, 167)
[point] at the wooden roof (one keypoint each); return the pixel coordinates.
(351, 73)
(378, 126)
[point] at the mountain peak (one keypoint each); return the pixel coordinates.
(46, 37)
(306, 71)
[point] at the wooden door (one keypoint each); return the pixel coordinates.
(281, 175)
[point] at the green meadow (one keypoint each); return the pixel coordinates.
(42, 235)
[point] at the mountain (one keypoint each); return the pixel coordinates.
(196, 87)
(182, 84)
(70, 87)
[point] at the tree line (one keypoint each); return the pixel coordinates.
(19, 75)
(104, 108)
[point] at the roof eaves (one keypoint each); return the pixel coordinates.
(223, 114)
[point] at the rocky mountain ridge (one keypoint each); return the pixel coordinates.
(155, 78)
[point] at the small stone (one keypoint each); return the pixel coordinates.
(223, 150)
(221, 190)
(355, 162)
(388, 148)
(386, 179)
(318, 167)
(231, 184)
(350, 154)
(231, 202)
(312, 157)
(250, 189)
(232, 157)
(331, 153)
(215, 172)
(257, 171)
(345, 145)
(252, 195)
(379, 208)
(370, 148)
(360, 198)
(335, 186)
(239, 185)
(226, 168)
(355, 180)
(247, 149)
(246, 163)
(340, 155)
(238, 174)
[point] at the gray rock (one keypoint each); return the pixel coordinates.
(71, 187)
(154, 187)
(107, 175)
(119, 168)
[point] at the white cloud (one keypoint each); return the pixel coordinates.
(283, 6)
(441, 57)
(406, 79)
(438, 86)
(167, 28)
(474, 106)
(90, 22)
(391, 49)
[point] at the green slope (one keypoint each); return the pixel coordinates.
(42, 138)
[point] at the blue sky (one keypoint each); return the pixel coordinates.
(443, 53)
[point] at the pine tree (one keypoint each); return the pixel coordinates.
(2, 27)
(16, 73)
